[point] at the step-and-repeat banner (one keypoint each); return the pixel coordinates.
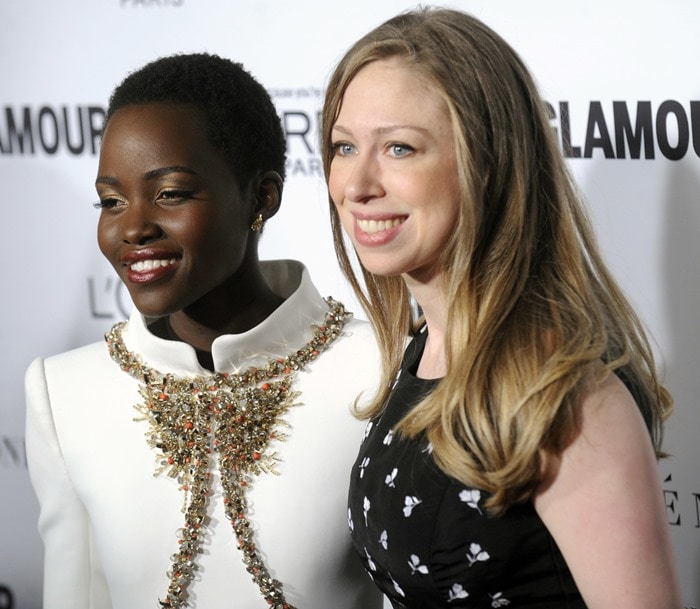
(623, 86)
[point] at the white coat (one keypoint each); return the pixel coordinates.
(109, 526)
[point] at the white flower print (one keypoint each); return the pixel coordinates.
(476, 554)
(384, 540)
(428, 448)
(365, 508)
(388, 437)
(364, 463)
(410, 502)
(497, 600)
(370, 562)
(396, 586)
(368, 428)
(415, 565)
(351, 525)
(456, 592)
(471, 498)
(389, 480)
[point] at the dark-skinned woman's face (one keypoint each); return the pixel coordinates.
(174, 220)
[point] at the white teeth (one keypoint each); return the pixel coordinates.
(149, 265)
(376, 226)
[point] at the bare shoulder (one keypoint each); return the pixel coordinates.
(611, 433)
(611, 423)
(602, 501)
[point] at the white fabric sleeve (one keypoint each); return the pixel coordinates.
(73, 577)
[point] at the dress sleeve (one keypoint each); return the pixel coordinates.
(73, 577)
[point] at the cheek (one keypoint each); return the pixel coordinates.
(336, 186)
(441, 190)
(218, 239)
(336, 190)
(105, 235)
(346, 219)
(337, 202)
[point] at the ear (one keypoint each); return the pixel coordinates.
(268, 194)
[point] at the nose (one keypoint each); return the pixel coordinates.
(364, 180)
(139, 224)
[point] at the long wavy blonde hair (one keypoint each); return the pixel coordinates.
(533, 312)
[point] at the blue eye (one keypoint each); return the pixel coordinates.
(400, 150)
(343, 149)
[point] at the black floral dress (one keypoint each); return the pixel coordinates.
(425, 538)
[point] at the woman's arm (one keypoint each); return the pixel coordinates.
(603, 503)
(72, 576)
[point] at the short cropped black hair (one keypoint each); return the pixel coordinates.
(241, 117)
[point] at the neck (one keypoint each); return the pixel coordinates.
(230, 309)
(432, 302)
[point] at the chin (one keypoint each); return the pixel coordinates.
(382, 271)
(149, 308)
(381, 267)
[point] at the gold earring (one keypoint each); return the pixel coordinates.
(257, 225)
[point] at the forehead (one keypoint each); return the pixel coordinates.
(159, 121)
(148, 128)
(142, 137)
(388, 88)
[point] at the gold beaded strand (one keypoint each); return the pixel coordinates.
(236, 415)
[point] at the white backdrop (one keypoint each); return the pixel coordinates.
(626, 71)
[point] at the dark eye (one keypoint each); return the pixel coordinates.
(175, 195)
(107, 203)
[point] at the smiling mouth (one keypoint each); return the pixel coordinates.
(149, 265)
(377, 226)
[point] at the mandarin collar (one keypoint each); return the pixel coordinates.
(288, 328)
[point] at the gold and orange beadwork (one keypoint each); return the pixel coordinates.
(236, 415)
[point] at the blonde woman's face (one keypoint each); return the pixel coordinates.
(393, 175)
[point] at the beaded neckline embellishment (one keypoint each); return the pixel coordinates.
(235, 415)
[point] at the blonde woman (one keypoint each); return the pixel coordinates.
(510, 454)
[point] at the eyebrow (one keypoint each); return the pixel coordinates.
(149, 175)
(163, 171)
(387, 129)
